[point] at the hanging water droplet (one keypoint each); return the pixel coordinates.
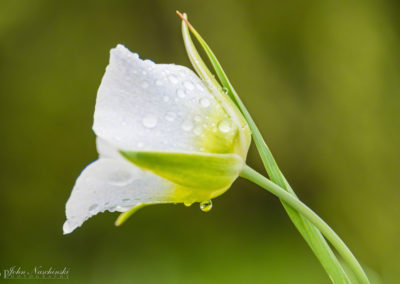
(120, 178)
(188, 85)
(144, 84)
(170, 116)
(149, 121)
(224, 126)
(206, 206)
(92, 208)
(204, 102)
(225, 90)
(188, 203)
(180, 93)
(187, 125)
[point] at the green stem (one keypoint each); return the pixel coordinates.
(310, 233)
(251, 175)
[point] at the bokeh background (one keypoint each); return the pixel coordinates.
(321, 79)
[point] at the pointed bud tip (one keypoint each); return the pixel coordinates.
(183, 16)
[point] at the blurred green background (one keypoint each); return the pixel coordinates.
(321, 78)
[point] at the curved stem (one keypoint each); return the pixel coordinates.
(251, 175)
(310, 233)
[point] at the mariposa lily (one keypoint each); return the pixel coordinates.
(163, 136)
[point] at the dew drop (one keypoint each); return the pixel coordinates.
(123, 208)
(188, 85)
(144, 84)
(92, 208)
(225, 90)
(224, 126)
(180, 93)
(204, 102)
(206, 206)
(199, 87)
(173, 79)
(170, 116)
(187, 125)
(149, 121)
(198, 130)
(188, 203)
(120, 178)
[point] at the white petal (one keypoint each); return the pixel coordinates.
(148, 106)
(113, 185)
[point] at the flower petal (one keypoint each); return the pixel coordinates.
(114, 185)
(160, 107)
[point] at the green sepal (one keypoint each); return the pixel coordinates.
(190, 170)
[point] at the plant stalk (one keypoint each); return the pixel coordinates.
(255, 177)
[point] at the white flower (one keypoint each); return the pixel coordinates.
(162, 137)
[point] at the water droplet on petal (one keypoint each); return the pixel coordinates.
(204, 102)
(170, 116)
(173, 79)
(120, 178)
(92, 208)
(144, 84)
(180, 93)
(206, 206)
(198, 130)
(123, 208)
(187, 125)
(188, 85)
(149, 121)
(225, 126)
(199, 87)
